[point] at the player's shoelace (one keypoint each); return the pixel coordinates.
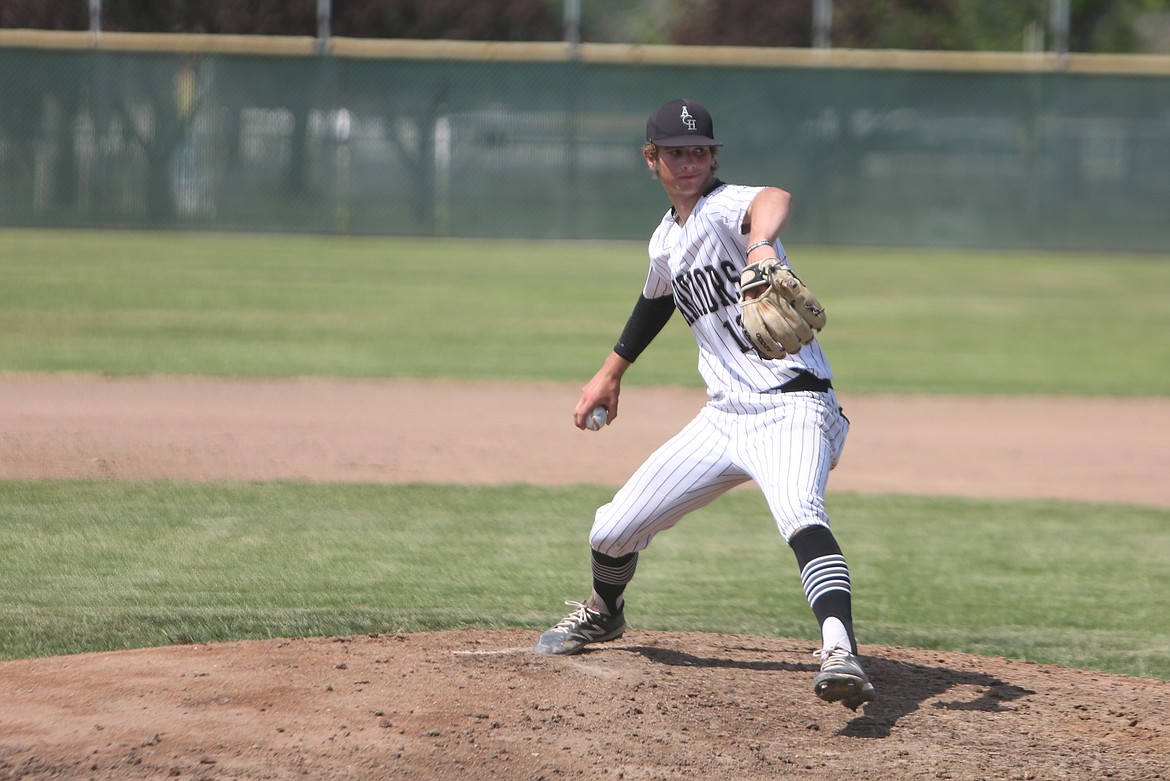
(836, 658)
(582, 615)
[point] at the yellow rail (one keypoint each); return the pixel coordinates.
(608, 53)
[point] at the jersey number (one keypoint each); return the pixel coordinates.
(737, 334)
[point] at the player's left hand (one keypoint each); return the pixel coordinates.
(779, 312)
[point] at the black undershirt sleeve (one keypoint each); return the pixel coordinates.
(649, 317)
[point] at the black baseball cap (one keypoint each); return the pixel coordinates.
(681, 123)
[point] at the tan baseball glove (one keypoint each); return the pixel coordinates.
(779, 313)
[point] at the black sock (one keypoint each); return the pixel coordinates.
(825, 577)
(610, 576)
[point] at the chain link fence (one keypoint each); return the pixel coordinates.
(468, 139)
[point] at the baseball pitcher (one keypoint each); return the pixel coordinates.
(772, 415)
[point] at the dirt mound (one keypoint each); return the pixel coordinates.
(478, 703)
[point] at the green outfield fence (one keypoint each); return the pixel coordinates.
(476, 139)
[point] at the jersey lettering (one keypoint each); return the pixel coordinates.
(683, 298)
(701, 291)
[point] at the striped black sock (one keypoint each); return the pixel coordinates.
(825, 577)
(610, 576)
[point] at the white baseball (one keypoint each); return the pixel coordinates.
(596, 419)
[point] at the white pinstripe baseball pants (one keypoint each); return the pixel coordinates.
(786, 442)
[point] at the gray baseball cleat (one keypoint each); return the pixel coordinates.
(581, 627)
(841, 679)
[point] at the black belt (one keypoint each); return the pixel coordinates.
(806, 381)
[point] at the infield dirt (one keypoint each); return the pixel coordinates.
(477, 703)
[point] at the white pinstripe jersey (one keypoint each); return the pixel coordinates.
(700, 263)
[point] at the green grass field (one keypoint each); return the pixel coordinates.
(913, 320)
(95, 566)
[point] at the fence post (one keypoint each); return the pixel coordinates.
(95, 16)
(573, 25)
(324, 19)
(822, 21)
(1059, 21)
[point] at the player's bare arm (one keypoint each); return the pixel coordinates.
(767, 217)
(602, 390)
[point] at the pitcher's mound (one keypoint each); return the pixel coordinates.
(479, 704)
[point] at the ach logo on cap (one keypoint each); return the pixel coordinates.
(681, 123)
